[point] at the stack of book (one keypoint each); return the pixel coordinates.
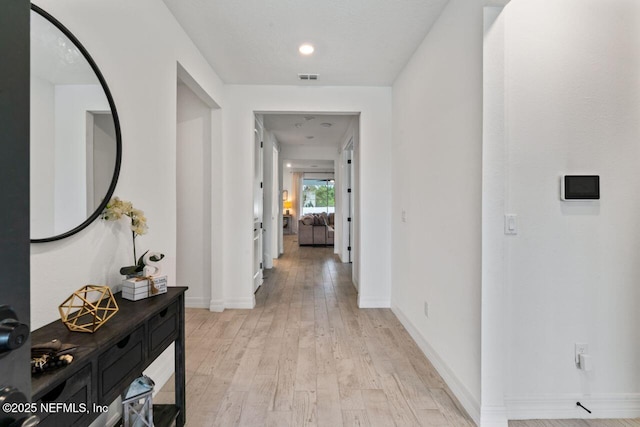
(137, 288)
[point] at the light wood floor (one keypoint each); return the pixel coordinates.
(576, 423)
(307, 356)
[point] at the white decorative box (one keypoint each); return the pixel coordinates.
(138, 288)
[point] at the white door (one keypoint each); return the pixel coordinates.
(257, 206)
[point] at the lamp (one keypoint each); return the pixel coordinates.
(288, 205)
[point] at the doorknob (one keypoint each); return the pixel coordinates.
(16, 409)
(13, 334)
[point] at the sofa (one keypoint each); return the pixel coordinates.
(316, 229)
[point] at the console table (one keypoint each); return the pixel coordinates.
(287, 224)
(107, 361)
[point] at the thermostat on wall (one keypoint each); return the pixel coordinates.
(580, 187)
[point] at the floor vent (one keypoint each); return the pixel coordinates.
(308, 76)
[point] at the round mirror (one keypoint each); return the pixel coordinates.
(76, 144)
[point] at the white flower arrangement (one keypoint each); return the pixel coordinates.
(117, 208)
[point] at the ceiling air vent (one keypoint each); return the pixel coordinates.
(308, 76)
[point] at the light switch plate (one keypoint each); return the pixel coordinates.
(511, 224)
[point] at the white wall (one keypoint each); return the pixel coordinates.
(572, 103)
(493, 343)
(71, 105)
(140, 69)
(375, 105)
(42, 168)
(437, 174)
(102, 155)
(287, 177)
(193, 158)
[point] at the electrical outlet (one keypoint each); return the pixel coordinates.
(426, 309)
(580, 348)
(404, 215)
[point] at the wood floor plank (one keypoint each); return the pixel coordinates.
(279, 419)
(247, 368)
(269, 361)
(355, 418)
(195, 390)
(286, 374)
(325, 362)
(377, 407)
(262, 391)
(432, 418)
(450, 408)
(351, 399)
(401, 412)
(328, 398)
(635, 422)
(230, 411)
(213, 396)
(304, 409)
(201, 418)
(306, 369)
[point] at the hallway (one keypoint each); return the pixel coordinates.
(306, 355)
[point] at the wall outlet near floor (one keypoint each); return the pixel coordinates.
(404, 215)
(426, 309)
(580, 348)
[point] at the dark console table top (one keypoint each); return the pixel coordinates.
(131, 315)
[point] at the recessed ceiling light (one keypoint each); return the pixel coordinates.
(310, 137)
(288, 165)
(314, 166)
(306, 49)
(307, 118)
(326, 125)
(298, 125)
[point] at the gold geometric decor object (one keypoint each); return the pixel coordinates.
(88, 308)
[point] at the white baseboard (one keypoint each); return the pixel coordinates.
(216, 305)
(249, 302)
(563, 406)
(373, 303)
(196, 302)
(493, 416)
(464, 396)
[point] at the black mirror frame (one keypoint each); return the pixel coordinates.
(116, 123)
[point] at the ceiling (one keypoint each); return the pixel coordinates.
(295, 130)
(312, 166)
(308, 129)
(357, 42)
(54, 58)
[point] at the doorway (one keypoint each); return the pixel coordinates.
(195, 125)
(313, 146)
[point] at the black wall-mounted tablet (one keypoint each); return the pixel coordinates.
(580, 187)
